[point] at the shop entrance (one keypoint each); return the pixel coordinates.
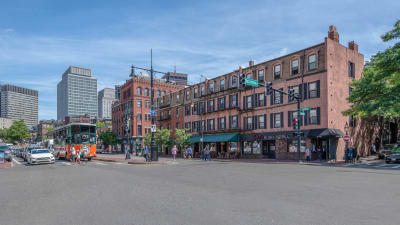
(321, 149)
(269, 149)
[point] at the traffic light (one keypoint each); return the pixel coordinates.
(291, 95)
(268, 88)
(242, 80)
(296, 123)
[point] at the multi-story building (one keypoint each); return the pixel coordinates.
(118, 92)
(17, 103)
(178, 78)
(5, 123)
(44, 127)
(77, 93)
(245, 121)
(106, 98)
(131, 116)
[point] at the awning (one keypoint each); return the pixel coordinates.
(230, 137)
(328, 132)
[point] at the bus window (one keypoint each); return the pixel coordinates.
(93, 139)
(85, 138)
(75, 129)
(84, 129)
(92, 130)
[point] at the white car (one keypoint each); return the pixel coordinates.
(38, 156)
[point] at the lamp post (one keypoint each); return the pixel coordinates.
(346, 130)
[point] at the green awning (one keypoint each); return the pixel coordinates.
(230, 137)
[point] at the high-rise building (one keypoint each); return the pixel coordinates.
(106, 98)
(178, 78)
(17, 103)
(77, 93)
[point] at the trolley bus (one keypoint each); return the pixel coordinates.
(81, 136)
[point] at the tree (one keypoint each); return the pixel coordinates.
(101, 124)
(3, 134)
(108, 138)
(182, 139)
(162, 137)
(17, 132)
(375, 95)
(49, 129)
(147, 139)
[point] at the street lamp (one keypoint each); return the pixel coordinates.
(346, 128)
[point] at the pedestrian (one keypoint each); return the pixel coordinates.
(146, 153)
(78, 158)
(174, 150)
(73, 155)
(308, 155)
(207, 153)
(319, 154)
(127, 155)
(189, 153)
(373, 148)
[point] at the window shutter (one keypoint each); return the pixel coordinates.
(265, 99)
(281, 101)
(244, 123)
(272, 97)
(265, 121)
(305, 90)
(244, 102)
(300, 92)
(218, 121)
(254, 122)
(230, 104)
(318, 85)
(289, 115)
(224, 102)
(306, 118)
(282, 121)
(353, 70)
(271, 120)
(318, 115)
(230, 119)
(224, 122)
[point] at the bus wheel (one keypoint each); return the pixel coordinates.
(89, 159)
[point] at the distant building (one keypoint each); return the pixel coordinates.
(5, 123)
(77, 93)
(106, 98)
(118, 92)
(44, 127)
(17, 103)
(178, 78)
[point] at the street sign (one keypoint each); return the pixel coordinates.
(302, 113)
(153, 128)
(251, 82)
(346, 138)
(153, 113)
(305, 109)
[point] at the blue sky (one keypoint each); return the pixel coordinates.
(39, 39)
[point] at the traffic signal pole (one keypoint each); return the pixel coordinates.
(298, 128)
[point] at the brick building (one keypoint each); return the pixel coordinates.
(131, 119)
(246, 122)
(44, 127)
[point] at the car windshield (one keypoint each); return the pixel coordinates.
(34, 147)
(39, 151)
(3, 147)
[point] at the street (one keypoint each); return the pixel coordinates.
(197, 192)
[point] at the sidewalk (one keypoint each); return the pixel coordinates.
(5, 165)
(121, 158)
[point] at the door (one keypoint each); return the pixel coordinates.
(271, 149)
(265, 149)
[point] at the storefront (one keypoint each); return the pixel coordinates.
(324, 143)
(221, 145)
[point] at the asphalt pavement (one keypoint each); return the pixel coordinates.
(197, 192)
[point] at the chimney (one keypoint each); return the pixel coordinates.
(251, 63)
(333, 34)
(353, 46)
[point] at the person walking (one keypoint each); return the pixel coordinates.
(308, 155)
(189, 153)
(146, 153)
(73, 155)
(78, 157)
(174, 150)
(319, 154)
(207, 153)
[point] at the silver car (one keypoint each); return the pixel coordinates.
(38, 156)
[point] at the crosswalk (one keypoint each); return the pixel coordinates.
(372, 165)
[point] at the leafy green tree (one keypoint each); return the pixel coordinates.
(375, 96)
(17, 132)
(3, 134)
(49, 130)
(182, 139)
(147, 139)
(108, 138)
(101, 124)
(162, 138)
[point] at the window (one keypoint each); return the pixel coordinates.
(177, 125)
(139, 103)
(221, 124)
(234, 81)
(139, 117)
(139, 91)
(177, 113)
(261, 122)
(249, 102)
(277, 97)
(187, 94)
(211, 87)
(202, 107)
(210, 124)
(169, 114)
(352, 121)
(234, 122)
(261, 99)
(296, 92)
(177, 97)
(261, 76)
(187, 110)
(313, 117)
(158, 93)
(312, 90)
(146, 92)
(352, 71)
(196, 92)
(312, 62)
(195, 109)
(277, 120)
(277, 71)
(295, 67)
(203, 90)
(169, 127)
(187, 125)
(221, 103)
(148, 104)
(292, 145)
(248, 123)
(203, 125)
(211, 106)
(234, 101)
(221, 85)
(139, 130)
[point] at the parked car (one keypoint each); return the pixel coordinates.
(394, 158)
(38, 156)
(18, 151)
(382, 154)
(7, 152)
(28, 150)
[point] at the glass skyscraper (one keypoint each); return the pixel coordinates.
(77, 93)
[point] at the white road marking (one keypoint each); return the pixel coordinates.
(65, 163)
(396, 167)
(99, 163)
(16, 161)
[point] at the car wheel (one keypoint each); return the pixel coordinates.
(89, 159)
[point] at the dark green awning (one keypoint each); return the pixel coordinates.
(230, 137)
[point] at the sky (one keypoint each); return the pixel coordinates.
(40, 39)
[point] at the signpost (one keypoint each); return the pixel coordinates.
(305, 109)
(346, 138)
(153, 128)
(251, 82)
